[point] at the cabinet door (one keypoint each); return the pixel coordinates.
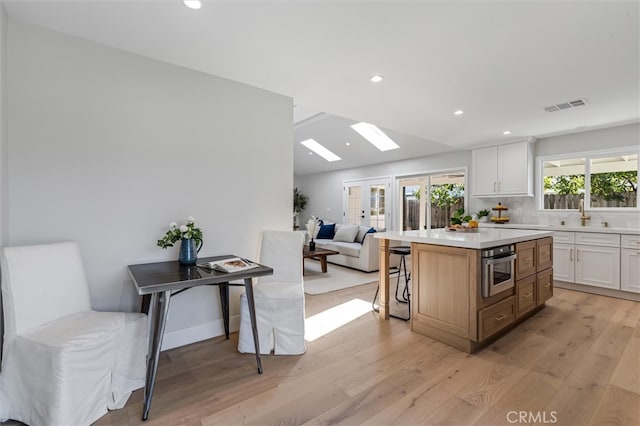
(630, 269)
(544, 282)
(563, 261)
(485, 171)
(597, 266)
(525, 295)
(544, 253)
(514, 169)
(525, 259)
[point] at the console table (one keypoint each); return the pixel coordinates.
(161, 280)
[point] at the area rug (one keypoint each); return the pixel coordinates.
(336, 277)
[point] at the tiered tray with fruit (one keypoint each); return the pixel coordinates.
(500, 219)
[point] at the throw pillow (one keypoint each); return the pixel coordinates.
(369, 231)
(346, 233)
(326, 232)
(362, 231)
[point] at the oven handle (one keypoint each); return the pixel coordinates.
(500, 260)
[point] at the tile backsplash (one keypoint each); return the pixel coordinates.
(524, 210)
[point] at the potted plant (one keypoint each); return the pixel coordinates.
(483, 215)
(299, 203)
(190, 238)
(459, 217)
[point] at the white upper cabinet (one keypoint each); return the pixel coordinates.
(503, 170)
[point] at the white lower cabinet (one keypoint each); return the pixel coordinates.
(630, 263)
(563, 266)
(595, 262)
(598, 266)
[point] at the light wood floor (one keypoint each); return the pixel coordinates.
(577, 362)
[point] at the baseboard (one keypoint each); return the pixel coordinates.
(185, 336)
(597, 290)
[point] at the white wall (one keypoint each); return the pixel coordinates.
(107, 148)
(325, 189)
(3, 124)
(3, 144)
(612, 137)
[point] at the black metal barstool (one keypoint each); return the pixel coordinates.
(403, 252)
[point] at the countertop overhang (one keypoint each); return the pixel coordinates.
(483, 239)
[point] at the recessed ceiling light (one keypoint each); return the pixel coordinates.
(506, 132)
(375, 136)
(347, 144)
(193, 4)
(376, 78)
(458, 112)
(320, 150)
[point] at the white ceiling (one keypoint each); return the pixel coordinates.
(501, 62)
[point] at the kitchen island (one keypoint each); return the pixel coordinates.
(450, 301)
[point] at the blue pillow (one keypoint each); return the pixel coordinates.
(327, 231)
(370, 231)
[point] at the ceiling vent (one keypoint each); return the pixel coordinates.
(566, 105)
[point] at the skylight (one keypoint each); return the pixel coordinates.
(192, 4)
(320, 150)
(375, 136)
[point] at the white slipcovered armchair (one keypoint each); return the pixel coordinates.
(279, 298)
(63, 363)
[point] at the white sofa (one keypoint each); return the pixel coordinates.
(362, 256)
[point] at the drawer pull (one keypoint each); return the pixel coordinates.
(500, 317)
(545, 253)
(528, 259)
(571, 255)
(547, 285)
(527, 295)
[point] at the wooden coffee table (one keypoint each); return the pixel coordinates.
(318, 254)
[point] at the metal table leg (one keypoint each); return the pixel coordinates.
(248, 286)
(159, 307)
(224, 302)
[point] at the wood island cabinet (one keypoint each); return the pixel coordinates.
(534, 274)
(447, 299)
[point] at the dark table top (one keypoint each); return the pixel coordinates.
(306, 252)
(162, 276)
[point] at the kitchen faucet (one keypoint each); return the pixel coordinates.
(583, 217)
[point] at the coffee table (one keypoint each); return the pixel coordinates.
(318, 254)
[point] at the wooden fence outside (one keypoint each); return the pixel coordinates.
(572, 201)
(440, 217)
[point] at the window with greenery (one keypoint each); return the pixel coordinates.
(429, 201)
(603, 181)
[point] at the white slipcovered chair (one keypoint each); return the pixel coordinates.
(279, 298)
(63, 363)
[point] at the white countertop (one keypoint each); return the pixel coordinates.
(607, 230)
(484, 238)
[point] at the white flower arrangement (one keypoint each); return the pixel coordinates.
(313, 226)
(176, 233)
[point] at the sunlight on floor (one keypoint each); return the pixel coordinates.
(327, 321)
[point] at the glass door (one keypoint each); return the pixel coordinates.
(413, 203)
(429, 201)
(365, 203)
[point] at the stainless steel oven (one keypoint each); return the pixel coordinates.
(498, 269)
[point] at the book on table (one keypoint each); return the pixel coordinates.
(233, 264)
